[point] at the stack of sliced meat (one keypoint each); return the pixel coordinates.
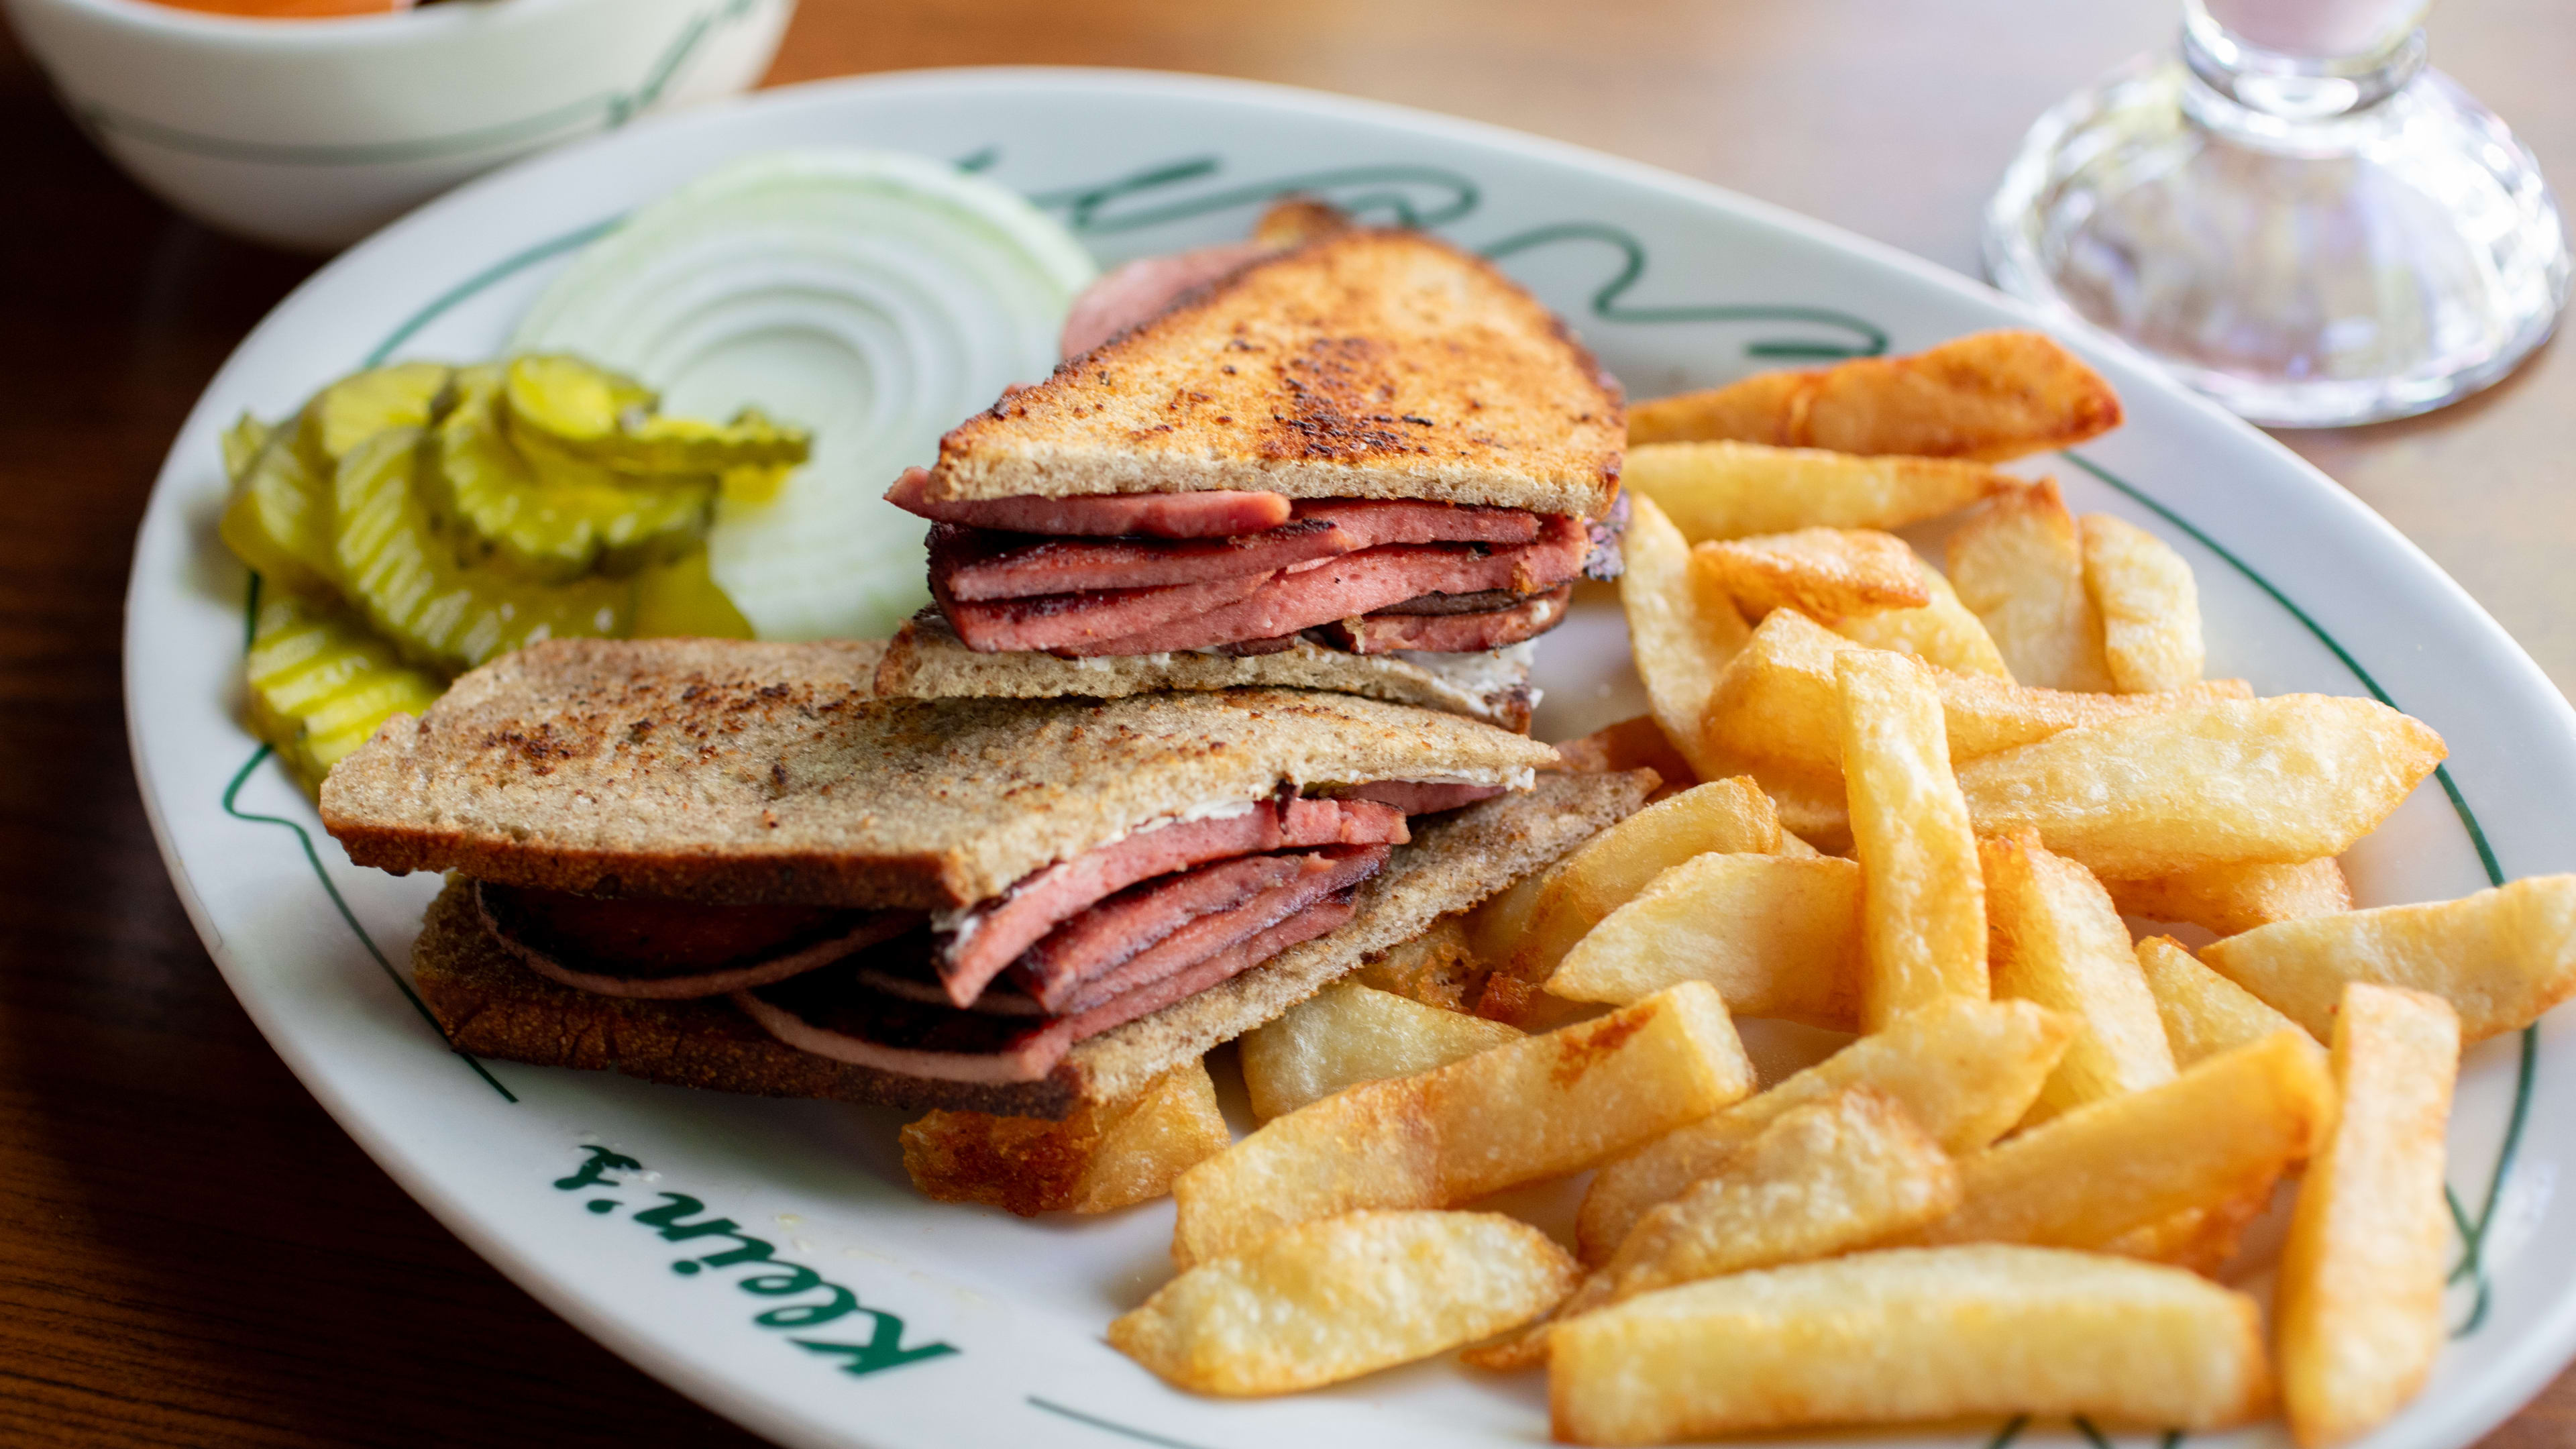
(1248, 572)
(998, 992)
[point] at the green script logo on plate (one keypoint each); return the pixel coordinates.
(680, 1218)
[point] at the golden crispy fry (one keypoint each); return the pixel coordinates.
(1493, 928)
(1778, 702)
(2227, 899)
(1923, 915)
(2360, 1293)
(2202, 1240)
(1437, 968)
(2019, 567)
(1098, 1159)
(1610, 868)
(1907, 1336)
(2221, 1131)
(1332, 1300)
(1631, 744)
(1990, 396)
(2054, 938)
(1965, 1070)
(1829, 574)
(1941, 633)
(2501, 957)
(1812, 805)
(1519, 1112)
(1681, 634)
(1718, 490)
(2148, 603)
(2286, 779)
(2204, 1013)
(1822, 1179)
(1777, 936)
(1347, 1034)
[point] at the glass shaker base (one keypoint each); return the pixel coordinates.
(2304, 274)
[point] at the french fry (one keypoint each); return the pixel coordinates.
(1437, 968)
(1822, 1179)
(1332, 1300)
(2148, 603)
(1991, 396)
(1681, 634)
(1100, 1158)
(1347, 1034)
(1493, 928)
(2501, 957)
(2202, 1240)
(1908, 1336)
(2204, 1013)
(1923, 917)
(1965, 1070)
(1778, 702)
(1813, 806)
(2359, 1300)
(1777, 936)
(1941, 633)
(2279, 780)
(2223, 1130)
(2019, 567)
(2054, 938)
(1606, 871)
(1720, 490)
(1526, 1110)
(1631, 744)
(1829, 574)
(2227, 899)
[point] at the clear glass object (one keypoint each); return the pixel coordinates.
(2293, 213)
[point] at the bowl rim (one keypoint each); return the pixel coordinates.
(309, 32)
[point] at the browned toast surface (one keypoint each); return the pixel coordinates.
(1364, 364)
(724, 771)
(491, 1005)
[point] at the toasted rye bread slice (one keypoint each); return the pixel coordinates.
(1363, 364)
(716, 770)
(492, 1006)
(926, 660)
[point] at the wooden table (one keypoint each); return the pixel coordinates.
(192, 1254)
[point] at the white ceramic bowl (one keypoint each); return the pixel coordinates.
(313, 133)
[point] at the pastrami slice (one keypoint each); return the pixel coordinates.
(1375, 521)
(1387, 631)
(1322, 874)
(975, 565)
(1072, 623)
(1100, 936)
(1422, 797)
(1213, 514)
(992, 936)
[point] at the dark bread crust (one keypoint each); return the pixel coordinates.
(722, 771)
(1361, 364)
(491, 1005)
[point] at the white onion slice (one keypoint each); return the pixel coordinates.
(875, 297)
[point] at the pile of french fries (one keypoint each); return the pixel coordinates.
(1914, 807)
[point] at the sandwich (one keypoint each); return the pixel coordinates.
(726, 865)
(1334, 458)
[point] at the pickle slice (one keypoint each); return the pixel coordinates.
(682, 599)
(357, 407)
(559, 521)
(278, 520)
(406, 576)
(609, 419)
(573, 400)
(242, 442)
(320, 684)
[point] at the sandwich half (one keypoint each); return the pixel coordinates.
(724, 864)
(1367, 461)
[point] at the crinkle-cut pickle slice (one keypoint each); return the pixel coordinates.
(406, 577)
(609, 419)
(562, 517)
(363, 404)
(278, 520)
(682, 600)
(320, 683)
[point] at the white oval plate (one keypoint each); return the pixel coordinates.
(885, 1320)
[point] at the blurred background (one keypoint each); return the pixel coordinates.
(197, 1256)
